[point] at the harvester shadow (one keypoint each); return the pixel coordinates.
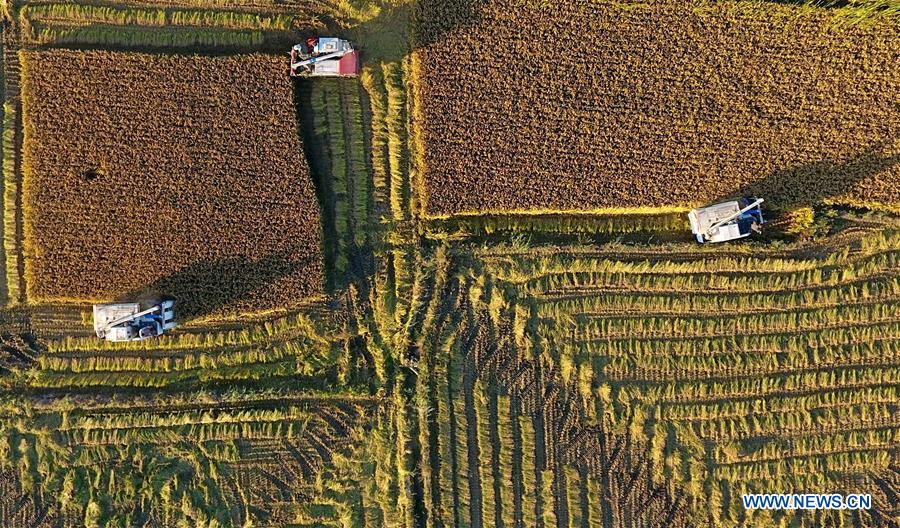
(319, 159)
(812, 183)
(207, 287)
(341, 248)
(385, 38)
(388, 37)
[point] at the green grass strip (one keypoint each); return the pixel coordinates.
(329, 123)
(395, 119)
(10, 193)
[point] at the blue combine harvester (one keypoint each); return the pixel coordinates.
(128, 322)
(727, 220)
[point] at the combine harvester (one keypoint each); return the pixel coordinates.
(324, 57)
(127, 322)
(727, 220)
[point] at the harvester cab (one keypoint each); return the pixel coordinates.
(727, 220)
(128, 322)
(324, 57)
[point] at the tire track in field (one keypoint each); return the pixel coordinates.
(562, 437)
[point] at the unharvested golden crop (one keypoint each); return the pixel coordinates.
(584, 105)
(177, 175)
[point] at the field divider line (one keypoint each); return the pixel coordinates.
(731, 314)
(882, 399)
(777, 332)
(13, 141)
(336, 400)
(837, 247)
(618, 286)
(183, 424)
(599, 289)
(887, 238)
(645, 375)
(749, 349)
(750, 323)
(799, 432)
(889, 447)
(20, 206)
(575, 294)
(778, 393)
(561, 265)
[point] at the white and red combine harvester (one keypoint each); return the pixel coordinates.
(324, 57)
(129, 322)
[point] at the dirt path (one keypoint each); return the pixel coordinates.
(474, 456)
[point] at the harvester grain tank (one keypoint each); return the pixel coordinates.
(132, 322)
(727, 220)
(324, 57)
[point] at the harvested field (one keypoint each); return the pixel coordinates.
(754, 374)
(215, 461)
(177, 175)
(663, 103)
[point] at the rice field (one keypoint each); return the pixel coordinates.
(386, 320)
(110, 178)
(612, 106)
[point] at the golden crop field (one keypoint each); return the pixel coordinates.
(653, 104)
(459, 289)
(183, 175)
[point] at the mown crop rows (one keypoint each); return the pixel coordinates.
(609, 105)
(737, 374)
(292, 347)
(194, 462)
(202, 427)
(68, 24)
(246, 461)
(184, 173)
(173, 24)
(255, 418)
(334, 134)
(504, 442)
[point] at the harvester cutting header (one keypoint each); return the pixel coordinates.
(324, 57)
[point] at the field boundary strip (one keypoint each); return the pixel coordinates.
(13, 140)
(156, 27)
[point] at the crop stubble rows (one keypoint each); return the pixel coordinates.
(776, 395)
